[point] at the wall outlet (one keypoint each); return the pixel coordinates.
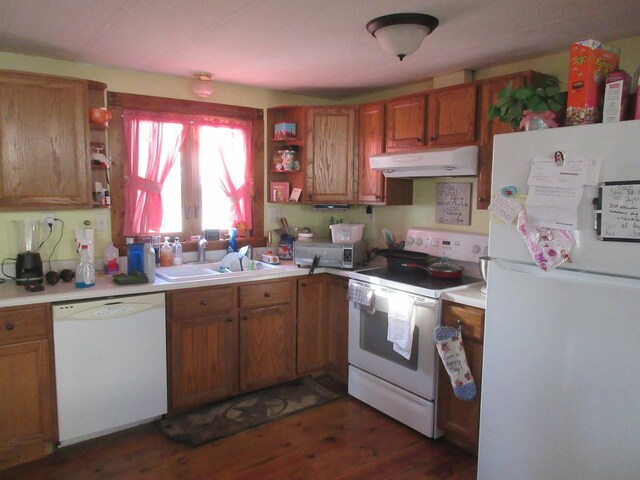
(102, 222)
(49, 219)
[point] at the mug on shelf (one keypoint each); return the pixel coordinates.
(100, 116)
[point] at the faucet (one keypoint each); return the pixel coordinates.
(202, 249)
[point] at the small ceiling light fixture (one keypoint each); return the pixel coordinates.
(401, 34)
(202, 86)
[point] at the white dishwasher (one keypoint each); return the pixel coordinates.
(111, 364)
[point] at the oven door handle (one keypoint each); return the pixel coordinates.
(426, 304)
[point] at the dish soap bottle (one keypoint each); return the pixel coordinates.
(177, 251)
(111, 259)
(166, 254)
(150, 262)
(86, 272)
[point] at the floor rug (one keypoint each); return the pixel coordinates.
(236, 414)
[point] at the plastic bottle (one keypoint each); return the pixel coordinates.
(111, 259)
(150, 262)
(233, 246)
(135, 258)
(86, 272)
(166, 253)
(177, 251)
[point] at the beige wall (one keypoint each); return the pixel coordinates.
(422, 213)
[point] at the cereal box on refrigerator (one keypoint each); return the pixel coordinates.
(589, 63)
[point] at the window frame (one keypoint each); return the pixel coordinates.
(116, 148)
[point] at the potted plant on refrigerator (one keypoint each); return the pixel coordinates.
(528, 108)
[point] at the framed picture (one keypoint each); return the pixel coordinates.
(453, 203)
(295, 194)
(279, 191)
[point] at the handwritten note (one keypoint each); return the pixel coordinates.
(620, 212)
(453, 204)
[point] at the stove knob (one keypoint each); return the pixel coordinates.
(409, 241)
(476, 249)
(418, 241)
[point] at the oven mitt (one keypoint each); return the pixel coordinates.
(449, 344)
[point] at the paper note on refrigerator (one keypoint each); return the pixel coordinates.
(553, 207)
(574, 172)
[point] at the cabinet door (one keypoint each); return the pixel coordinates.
(204, 359)
(338, 315)
(405, 122)
(44, 142)
(313, 324)
(267, 346)
(27, 410)
(370, 142)
(330, 144)
(452, 116)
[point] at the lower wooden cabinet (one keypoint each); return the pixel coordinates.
(338, 317)
(460, 420)
(313, 324)
(27, 399)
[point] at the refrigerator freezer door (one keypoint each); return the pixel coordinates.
(560, 382)
(617, 144)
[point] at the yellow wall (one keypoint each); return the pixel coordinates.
(422, 213)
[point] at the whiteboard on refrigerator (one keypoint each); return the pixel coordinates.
(618, 211)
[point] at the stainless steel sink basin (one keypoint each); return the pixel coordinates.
(205, 271)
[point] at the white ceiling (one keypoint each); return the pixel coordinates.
(311, 47)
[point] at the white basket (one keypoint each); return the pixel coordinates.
(346, 232)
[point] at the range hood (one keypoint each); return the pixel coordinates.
(435, 162)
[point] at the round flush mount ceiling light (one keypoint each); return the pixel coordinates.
(202, 86)
(401, 34)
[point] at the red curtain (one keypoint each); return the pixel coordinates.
(153, 141)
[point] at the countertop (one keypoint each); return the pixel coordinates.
(15, 295)
(470, 295)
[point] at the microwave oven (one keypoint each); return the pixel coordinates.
(336, 255)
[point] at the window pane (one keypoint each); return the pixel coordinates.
(172, 200)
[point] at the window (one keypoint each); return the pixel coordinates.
(186, 173)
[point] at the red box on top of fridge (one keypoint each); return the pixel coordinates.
(590, 62)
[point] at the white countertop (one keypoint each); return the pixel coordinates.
(470, 295)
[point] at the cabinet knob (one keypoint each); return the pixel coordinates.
(377, 197)
(9, 326)
(204, 302)
(303, 284)
(432, 139)
(245, 317)
(229, 319)
(267, 294)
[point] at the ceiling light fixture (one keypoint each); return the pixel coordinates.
(202, 86)
(401, 34)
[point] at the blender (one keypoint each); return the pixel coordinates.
(28, 261)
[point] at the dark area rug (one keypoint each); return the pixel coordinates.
(236, 414)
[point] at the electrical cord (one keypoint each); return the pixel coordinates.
(48, 236)
(59, 239)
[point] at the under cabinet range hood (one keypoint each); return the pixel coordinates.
(435, 162)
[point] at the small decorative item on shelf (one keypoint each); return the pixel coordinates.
(285, 159)
(100, 116)
(279, 191)
(98, 156)
(526, 108)
(295, 194)
(284, 130)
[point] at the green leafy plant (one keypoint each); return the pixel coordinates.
(512, 102)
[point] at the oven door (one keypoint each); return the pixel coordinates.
(370, 350)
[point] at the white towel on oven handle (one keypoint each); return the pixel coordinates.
(401, 323)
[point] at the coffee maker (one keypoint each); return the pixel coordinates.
(28, 262)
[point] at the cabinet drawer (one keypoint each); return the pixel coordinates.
(471, 319)
(23, 324)
(201, 302)
(266, 294)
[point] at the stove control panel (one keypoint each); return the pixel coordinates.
(465, 247)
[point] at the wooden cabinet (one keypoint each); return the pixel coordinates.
(330, 155)
(267, 333)
(27, 398)
(406, 117)
(460, 420)
(203, 341)
(452, 116)
(313, 324)
(373, 187)
(295, 178)
(43, 142)
(489, 90)
(338, 317)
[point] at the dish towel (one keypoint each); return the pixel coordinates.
(401, 323)
(362, 297)
(449, 343)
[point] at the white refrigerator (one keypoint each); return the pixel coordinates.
(560, 395)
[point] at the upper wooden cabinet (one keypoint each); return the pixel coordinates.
(44, 139)
(373, 187)
(405, 118)
(452, 116)
(489, 90)
(330, 144)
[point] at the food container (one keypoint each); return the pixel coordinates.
(346, 232)
(284, 130)
(616, 97)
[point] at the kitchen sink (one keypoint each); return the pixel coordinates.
(205, 271)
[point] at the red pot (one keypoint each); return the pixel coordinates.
(442, 269)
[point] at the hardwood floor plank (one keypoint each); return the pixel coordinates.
(343, 440)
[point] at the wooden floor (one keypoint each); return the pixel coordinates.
(344, 439)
